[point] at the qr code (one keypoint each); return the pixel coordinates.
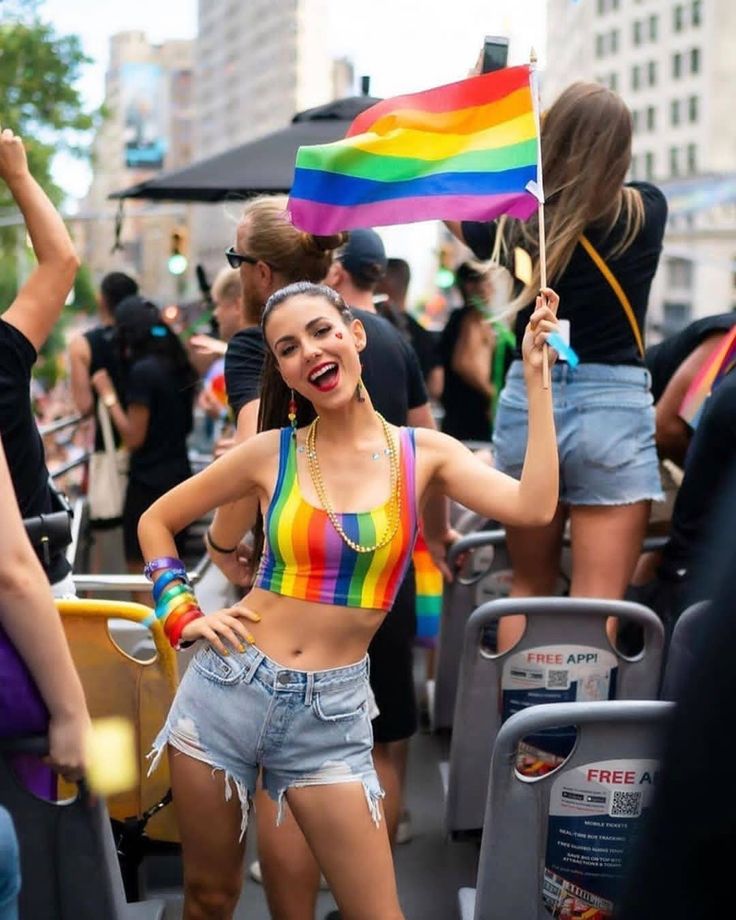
(558, 680)
(626, 805)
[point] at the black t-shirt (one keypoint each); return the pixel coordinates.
(21, 440)
(104, 355)
(246, 352)
(599, 330)
(161, 462)
(711, 458)
(664, 358)
(424, 342)
(467, 410)
(391, 371)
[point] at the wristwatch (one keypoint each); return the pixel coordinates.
(110, 400)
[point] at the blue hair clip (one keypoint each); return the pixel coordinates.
(158, 331)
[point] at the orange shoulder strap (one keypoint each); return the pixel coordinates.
(616, 288)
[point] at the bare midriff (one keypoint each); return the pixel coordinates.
(308, 636)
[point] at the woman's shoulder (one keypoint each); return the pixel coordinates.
(652, 197)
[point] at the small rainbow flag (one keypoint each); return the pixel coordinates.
(465, 151)
(722, 360)
(429, 589)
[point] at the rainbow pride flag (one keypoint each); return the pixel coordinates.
(707, 379)
(429, 589)
(465, 151)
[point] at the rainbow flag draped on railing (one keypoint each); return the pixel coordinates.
(465, 151)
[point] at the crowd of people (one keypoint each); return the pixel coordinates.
(301, 694)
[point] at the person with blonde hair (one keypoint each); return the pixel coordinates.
(604, 239)
(280, 682)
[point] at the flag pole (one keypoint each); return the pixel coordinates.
(542, 236)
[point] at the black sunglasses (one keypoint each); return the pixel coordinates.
(236, 259)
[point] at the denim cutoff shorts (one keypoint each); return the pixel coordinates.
(245, 712)
(604, 418)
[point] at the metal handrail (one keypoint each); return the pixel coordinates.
(68, 467)
(60, 424)
(125, 583)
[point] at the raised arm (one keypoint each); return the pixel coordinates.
(37, 307)
(532, 500)
(29, 617)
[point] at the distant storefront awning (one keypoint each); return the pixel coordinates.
(700, 193)
(262, 166)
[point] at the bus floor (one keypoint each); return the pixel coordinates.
(429, 869)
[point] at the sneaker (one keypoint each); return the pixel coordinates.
(404, 831)
(257, 875)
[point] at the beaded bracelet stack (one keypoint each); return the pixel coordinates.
(175, 603)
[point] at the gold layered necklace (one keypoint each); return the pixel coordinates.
(394, 502)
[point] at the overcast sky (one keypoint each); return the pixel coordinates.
(405, 45)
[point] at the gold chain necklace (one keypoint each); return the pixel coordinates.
(394, 502)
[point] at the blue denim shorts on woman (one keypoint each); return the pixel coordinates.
(604, 419)
(244, 713)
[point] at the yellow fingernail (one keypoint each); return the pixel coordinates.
(251, 639)
(257, 617)
(225, 652)
(242, 648)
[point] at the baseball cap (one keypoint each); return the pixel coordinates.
(364, 255)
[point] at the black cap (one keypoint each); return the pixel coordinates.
(364, 255)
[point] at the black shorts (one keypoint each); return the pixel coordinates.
(392, 668)
(139, 498)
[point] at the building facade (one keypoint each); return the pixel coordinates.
(150, 106)
(672, 61)
(257, 64)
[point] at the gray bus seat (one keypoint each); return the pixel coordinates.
(69, 864)
(563, 656)
(547, 847)
(488, 557)
(683, 649)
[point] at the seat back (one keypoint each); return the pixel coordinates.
(117, 684)
(563, 656)
(487, 558)
(556, 845)
(683, 649)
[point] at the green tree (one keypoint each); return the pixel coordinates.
(39, 100)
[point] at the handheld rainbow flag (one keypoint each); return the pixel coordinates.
(465, 151)
(720, 363)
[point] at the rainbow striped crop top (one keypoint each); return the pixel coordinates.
(304, 556)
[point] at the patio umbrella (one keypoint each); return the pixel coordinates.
(265, 165)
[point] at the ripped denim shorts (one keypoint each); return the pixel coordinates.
(245, 712)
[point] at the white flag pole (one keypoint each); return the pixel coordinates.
(539, 192)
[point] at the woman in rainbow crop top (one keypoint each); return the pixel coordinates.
(288, 692)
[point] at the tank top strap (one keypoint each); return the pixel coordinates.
(287, 464)
(408, 472)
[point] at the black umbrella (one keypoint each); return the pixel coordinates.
(262, 166)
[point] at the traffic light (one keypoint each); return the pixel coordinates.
(178, 261)
(445, 277)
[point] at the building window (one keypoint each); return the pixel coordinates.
(652, 73)
(649, 165)
(680, 273)
(601, 7)
(675, 316)
(678, 18)
(692, 108)
(677, 65)
(674, 161)
(636, 34)
(615, 4)
(695, 60)
(634, 166)
(635, 76)
(613, 82)
(635, 120)
(599, 46)
(613, 41)
(692, 159)
(651, 118)
(653, 28)
(696, 13)
(675, 112)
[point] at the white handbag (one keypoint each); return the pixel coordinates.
(108, 473)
